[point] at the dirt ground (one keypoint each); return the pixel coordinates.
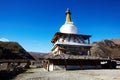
(41, 74)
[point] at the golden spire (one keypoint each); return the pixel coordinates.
(68, 17)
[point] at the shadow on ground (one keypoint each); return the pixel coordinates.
(4, 75)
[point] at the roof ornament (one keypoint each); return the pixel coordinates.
(68, 27)
(68, 15)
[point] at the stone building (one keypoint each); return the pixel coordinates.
(70, 50)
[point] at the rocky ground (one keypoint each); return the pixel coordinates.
(41, 74)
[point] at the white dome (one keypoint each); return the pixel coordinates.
(68, 27)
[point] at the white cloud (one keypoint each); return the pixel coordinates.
(4, 40)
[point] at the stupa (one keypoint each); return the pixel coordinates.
(68, 41)
(71, 50)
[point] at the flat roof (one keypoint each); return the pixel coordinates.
(59, 34)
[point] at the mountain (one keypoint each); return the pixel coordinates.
(13, 50)
(38, 55)
(116, 41)
(106, 49)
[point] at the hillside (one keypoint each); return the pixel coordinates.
(106, 48)
(12, 50)
(116, 41)
(38, 55)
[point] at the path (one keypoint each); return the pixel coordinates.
(41, 74)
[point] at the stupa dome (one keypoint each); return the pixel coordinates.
(68, 27)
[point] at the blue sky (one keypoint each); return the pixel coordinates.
(32, 23)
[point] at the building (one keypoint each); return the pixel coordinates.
(70, 50)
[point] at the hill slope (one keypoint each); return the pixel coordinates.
(12, 50)
(38, 55)
(106, 48)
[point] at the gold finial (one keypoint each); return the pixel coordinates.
(68, 17)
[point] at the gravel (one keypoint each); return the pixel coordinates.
(41, 74)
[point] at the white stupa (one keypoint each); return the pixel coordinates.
(68, 40)
(71, 50)
(68, 47)
(68, 27)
